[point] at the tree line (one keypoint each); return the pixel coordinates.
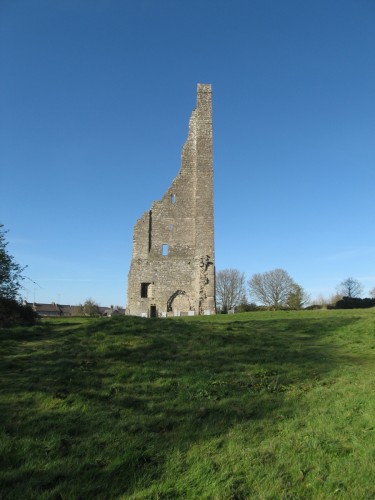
(276, 289)
(272, 290)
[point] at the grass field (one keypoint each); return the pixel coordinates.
(255, 405)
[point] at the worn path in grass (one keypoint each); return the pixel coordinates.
(257, 405)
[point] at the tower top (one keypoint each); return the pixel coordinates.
(204, 87)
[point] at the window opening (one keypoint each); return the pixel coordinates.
(144, 290)
(170, 227)
(165, 249)
(173, 199)
(150, 231)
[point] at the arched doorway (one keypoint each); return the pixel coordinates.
(179, 302)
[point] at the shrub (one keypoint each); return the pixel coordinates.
(354, 303)
(13, 313)
(246, 307)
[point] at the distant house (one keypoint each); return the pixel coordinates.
(102, 310)
(54, 310)
(68, 310)
(112, 311)
(51, 310)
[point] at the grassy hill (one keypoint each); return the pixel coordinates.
(256, 405)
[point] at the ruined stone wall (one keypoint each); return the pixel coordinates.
(172, 268)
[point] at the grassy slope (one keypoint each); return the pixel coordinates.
(259, 405)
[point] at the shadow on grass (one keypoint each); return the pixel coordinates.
(98, 405)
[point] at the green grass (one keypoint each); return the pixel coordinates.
(257, 405)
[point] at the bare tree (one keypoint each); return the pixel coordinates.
(350, 288)
(324, 301)
(372, 293)
(230, 289)
(89, 308)
(272, 288)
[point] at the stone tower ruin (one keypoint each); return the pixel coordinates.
(172, 270)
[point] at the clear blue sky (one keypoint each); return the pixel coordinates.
(95, 98)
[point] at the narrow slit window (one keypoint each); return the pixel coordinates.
(165, 249)
(173, 199)
(170, 228)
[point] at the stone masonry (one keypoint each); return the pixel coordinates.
(172, 270)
